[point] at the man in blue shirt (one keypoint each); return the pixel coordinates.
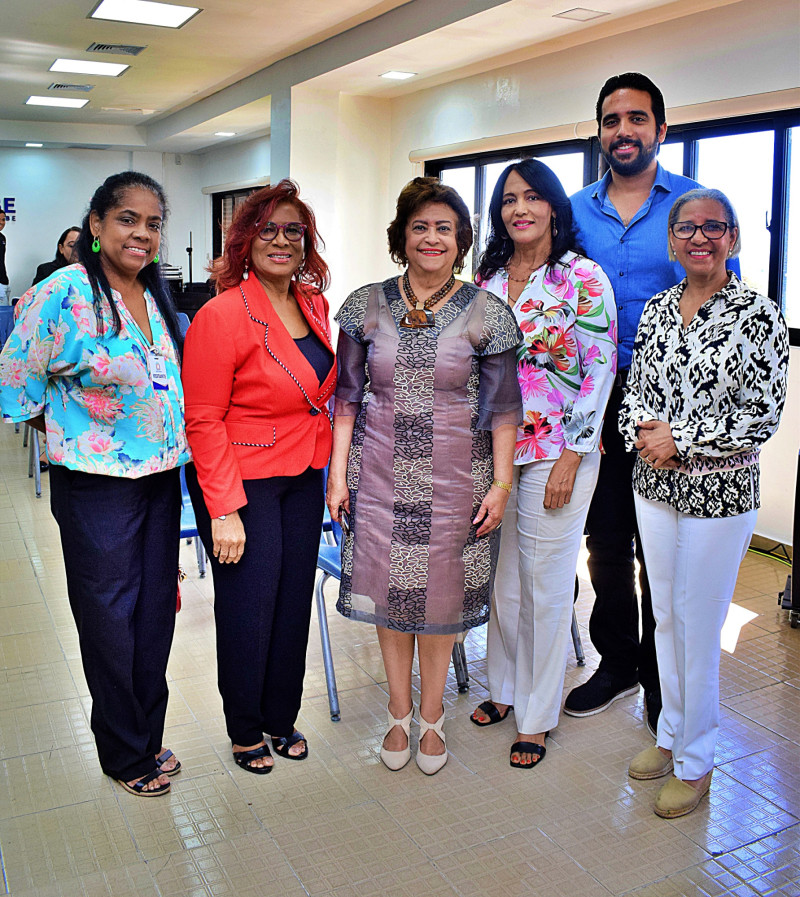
(622, 225)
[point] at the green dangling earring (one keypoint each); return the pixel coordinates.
(96, 244)
(155, 259)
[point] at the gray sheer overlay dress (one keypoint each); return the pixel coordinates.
(420, 464)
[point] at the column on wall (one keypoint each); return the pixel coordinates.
(340, 156)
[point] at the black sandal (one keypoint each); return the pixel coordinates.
(281, 745)
(528, 747)
(243, 759)
(139, 789)
(491, 711)
(160, 761)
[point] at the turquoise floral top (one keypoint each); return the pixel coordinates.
(567, 359)
(102, 412)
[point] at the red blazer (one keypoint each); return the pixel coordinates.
(246, 417)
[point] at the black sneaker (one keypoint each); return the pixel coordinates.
(597, 694)
(652, 711)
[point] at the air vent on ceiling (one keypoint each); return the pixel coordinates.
(122, 49)
(83, 87)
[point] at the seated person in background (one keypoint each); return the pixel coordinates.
(65, 255)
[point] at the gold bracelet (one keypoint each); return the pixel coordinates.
(501, 485)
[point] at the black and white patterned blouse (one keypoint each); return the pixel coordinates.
(720, 383)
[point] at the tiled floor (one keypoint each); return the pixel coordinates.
(341, 825)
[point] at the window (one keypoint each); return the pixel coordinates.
(755, 161)
(475, 178)
(223, 205)
(790, 273)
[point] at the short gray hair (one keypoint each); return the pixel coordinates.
(731, 218)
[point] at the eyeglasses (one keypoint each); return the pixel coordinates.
(685, 230)
(293, 231)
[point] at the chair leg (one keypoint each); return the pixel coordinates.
(201, 557)
(29, 444)
(37, 470)
(576, 641)
(25, 436)
(327, 656)
(460, 667)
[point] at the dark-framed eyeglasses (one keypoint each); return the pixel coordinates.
(685, 230)
(292, 230)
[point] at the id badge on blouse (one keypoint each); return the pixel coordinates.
(158, 370)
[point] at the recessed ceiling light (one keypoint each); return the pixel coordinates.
(64, 102)
(88, 67)
(580, 14)
(398, 76)
(34, 144)
(144, 12)
(224, 133)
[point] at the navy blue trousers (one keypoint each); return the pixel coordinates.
(262, 605)
(613, 541)
(120, 539)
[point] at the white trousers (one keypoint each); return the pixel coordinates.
(529, 627)
(692, 565)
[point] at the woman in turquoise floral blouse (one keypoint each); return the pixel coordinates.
(93, 362)
(566, 365)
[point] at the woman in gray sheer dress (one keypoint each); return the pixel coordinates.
(425, 424)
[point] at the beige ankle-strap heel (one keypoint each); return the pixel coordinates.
(395, 760)
(430, 764)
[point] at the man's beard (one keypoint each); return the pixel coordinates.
(637, 164)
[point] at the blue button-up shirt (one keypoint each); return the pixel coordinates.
(634, 257)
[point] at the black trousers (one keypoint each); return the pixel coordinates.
(262, 605)
(613, 541)
(120, 538)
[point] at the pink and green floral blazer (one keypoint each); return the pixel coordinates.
(567, 360)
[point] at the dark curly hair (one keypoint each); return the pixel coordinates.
(110, 195)
(632, 81)
(500, 246)
(413, 196)
(250, 217)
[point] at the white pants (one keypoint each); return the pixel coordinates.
(5, 294)
(534, 587)
(692, 565)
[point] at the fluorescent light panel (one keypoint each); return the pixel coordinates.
(224, 133)
(63, 102)
(398, 76)
(35, 145)
(144, 12)
(88, 67)
(580, 14)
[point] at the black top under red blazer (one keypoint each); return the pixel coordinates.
(246, 414)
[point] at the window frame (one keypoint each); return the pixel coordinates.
(779, 122)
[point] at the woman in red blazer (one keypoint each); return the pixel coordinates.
(258, 371)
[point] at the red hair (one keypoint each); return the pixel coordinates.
(248, 220)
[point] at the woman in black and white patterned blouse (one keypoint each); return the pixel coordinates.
(705, 392)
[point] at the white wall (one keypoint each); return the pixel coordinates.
(340, 157)
(235, 163)
(52, 189)
(737, 50)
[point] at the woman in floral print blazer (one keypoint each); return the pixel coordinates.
(566, 365)
(705, 392)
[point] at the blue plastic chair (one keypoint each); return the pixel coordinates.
(6, 323)
(189, 526)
